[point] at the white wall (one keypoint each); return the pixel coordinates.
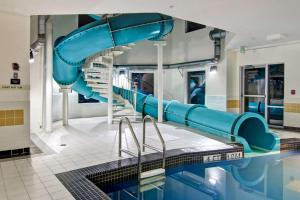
(287, 54)
(77, 110)
(14, 40)
(174, 87)
(182, 47)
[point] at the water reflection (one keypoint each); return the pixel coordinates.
(266, 177)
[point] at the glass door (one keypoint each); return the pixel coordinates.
(262, 91)
(254, 89)
(275, 98)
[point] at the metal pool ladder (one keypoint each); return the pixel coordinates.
(154, 177)
(156, 174)
(138, 155)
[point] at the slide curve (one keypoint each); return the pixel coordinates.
(70, 51)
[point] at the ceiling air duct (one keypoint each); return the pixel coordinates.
(217, 35)
(36, 45)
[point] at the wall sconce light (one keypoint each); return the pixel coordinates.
(213, 69)
(31, 59)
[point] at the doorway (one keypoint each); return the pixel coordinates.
(196, 87)
(263, 91)
(144, 82)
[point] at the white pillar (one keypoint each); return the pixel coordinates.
(48, 77)
(185, 86)
(110, 90)
(160, 79)
(65, 105)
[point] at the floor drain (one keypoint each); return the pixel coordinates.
(63, 145)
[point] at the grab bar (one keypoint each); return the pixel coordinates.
(138, 155)
(163, 151)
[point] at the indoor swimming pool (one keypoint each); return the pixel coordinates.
(265, 177)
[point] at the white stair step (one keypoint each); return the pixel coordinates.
(100, 65)
(93, 79)
(145, 186)
(96, 70)
(99, 86)
(96, 74)
(101, 90)
(151, 173)
(96, 77)
(117, 52)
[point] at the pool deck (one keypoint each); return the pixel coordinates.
(85, 142)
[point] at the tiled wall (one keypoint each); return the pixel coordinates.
(11, 117)
(233, 103)
(292, 107)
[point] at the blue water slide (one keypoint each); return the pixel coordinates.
(70, 51)
(249, 129)
(275, 111)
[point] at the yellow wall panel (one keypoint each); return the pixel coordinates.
(11, 117)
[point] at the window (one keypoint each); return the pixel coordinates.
(196, 87)
(192, 26)
(144, 82)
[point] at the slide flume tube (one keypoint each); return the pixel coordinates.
(249, 129)
(70, 51)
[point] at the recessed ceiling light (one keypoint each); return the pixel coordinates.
(275, 37)
(171, 6)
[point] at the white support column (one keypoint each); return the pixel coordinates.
(65, 105)
(48, 78)
(110, 90)
(65, 108)
(160, 79)
(185, 86)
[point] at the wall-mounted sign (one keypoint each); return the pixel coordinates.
(15, 66)
(293, 92)
(234, 155)
(14, 87)
(212, 158)
(15, 81)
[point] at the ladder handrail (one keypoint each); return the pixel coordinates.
(135, 141)
(160, 138)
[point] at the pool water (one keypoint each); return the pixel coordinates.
(265, 177)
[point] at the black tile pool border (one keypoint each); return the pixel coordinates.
(81, 183)
(15, 153)
(84, 183)
(289, 144)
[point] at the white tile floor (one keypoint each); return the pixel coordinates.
(85, 142)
